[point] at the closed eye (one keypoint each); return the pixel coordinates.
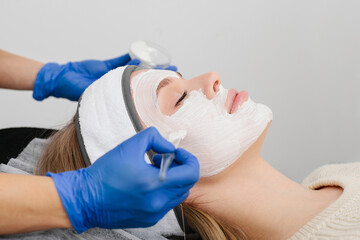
(180, 99)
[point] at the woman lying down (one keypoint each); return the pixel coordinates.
(239, 195)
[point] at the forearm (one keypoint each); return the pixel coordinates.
(30, 203)
(17, 72)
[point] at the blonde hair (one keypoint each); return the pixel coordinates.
(63, 154)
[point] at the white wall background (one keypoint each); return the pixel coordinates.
(301, 58)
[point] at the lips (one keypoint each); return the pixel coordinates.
(235, 99)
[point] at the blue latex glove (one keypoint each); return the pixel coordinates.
(71, 79)
(120, 190)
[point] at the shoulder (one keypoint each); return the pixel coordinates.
(340, 219)
(349, 170)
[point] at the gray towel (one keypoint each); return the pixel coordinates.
(166, 228)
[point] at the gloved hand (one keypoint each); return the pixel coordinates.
(71, 79)
(120, 190)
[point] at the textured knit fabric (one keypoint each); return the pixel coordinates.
(340, 220)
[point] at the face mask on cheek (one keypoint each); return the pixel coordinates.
(215, 137)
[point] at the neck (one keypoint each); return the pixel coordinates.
(257, 198)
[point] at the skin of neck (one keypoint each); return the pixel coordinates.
(255, 197)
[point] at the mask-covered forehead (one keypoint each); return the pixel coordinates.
(147, 83)
(144, 86)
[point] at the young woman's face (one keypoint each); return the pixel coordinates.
(218, 130)
(172, 92)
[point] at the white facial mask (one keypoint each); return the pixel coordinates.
(214, 136)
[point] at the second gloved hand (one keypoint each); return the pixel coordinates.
(120, 190)
(71, 79)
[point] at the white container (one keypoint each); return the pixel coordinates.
(150, 54)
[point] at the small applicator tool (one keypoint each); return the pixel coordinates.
(167, 158)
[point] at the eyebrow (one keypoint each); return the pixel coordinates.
(164, 83)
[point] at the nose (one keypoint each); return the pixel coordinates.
(209, 83)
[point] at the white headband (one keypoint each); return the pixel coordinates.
(103, 121)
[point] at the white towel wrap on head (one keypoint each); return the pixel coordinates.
(103, 118)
